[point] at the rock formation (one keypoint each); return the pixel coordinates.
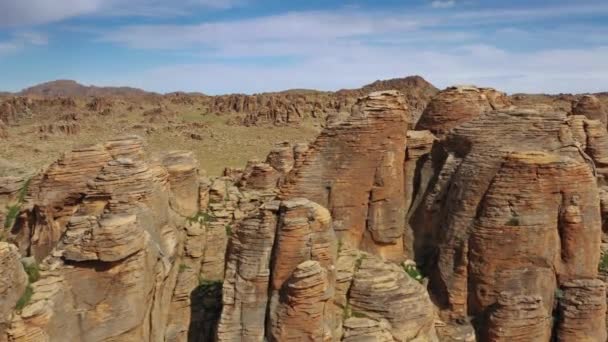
(513, 180)
(116, 245)
(485, 223)
(457, 105)
(355, 169)
(291, 107)
(12, 284)
(3, 130)
(60, 128)
(591, 107)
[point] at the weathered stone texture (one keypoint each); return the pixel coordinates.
(355, 169)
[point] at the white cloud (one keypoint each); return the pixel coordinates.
(349, 47)
(23, 13)
(33, 12)
(297, 27)
(21, 40)
(308, 27)
(443, 3)
(554, 71)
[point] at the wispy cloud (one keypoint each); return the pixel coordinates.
(443, 3)
(23, 13)
(349, 47)
(328, 25)
(301, 26)
(34, 12)
(21, 40)
(345, 47)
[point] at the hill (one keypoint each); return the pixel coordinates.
(69, 88)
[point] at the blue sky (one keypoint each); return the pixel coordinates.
(226, 46)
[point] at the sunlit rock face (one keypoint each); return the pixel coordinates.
(484, 223)
(457, 105)
(514, 216)
(118, 253)
(355, 170)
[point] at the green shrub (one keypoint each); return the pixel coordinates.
(228, 228)
(413, 272)
(513, 221)
(202, 217)
(346, 311)
(358, 314)
(359, 261)
(209, 284)
(33, 272)
(25, 298)
(15, 209)
(23, 190)
(183, 267)
(603, 266)
(11, 216)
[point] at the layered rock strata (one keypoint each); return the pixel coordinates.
(456, 105)
(355, 169)
(511, 181)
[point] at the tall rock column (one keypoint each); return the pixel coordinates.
(355, 169)
(303, 274)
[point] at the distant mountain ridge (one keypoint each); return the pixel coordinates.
(70, 88)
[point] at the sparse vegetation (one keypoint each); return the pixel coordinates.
(413, 271)
(14, 210)
(183, 268)
(348, 312)
(359, 261)
(228, 228)
(226, 194)
(209, 284)
(358, 314)
(514, 221)
(603, 265)
(33, 272)
(11, 216)
(25, 298)
(202, 217)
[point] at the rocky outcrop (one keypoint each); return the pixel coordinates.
(12, 284)
(385, 293)
(303, 273)
(3, 130)
(519, 318)
(582, 311)
(591, 107)
(294, 106)
(291, 285)
(456, 105)
(511, 181)
(245, 293)
(485, 224)
(355, 169)
(100, 104)
(121, 247)
(14, 108)
(59, 128)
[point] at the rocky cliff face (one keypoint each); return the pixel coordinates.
(112, 234)
(486, 223)
(292, 107)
